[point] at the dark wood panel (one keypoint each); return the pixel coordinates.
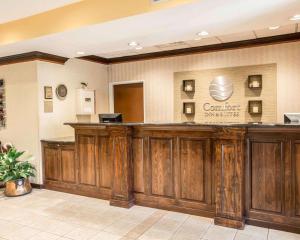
(228, 176)
(161, 159)
(52, 163)
(121, 151)
(266, 176)
(192, 168)
(87, 160)
(138, 164)
(296, 175)
(68, 165)
(32, 56)
(105, 163)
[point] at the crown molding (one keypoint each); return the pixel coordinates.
(210, 48)
(96, 59)
(32, 56)
(201, 49)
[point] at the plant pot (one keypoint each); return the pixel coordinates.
(18, 187)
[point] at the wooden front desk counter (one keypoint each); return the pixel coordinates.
(233, 173)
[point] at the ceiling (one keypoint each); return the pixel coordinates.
(17, 9)
(173, 28)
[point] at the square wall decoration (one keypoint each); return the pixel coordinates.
(2, 104)
(48, 92)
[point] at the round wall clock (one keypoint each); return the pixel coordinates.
(61, 91)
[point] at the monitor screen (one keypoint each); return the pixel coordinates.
(292, 118)
(110, 118)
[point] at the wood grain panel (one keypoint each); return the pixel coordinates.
(52, 164)
(192, 168)
(228, 173)
(266, 176)
(138, 164)
(105, 163)
(297, 178)
(68, 165)
(161, 158)
(87, 161)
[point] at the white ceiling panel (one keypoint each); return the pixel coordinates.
(203, 42)
(237, 37)
(291, 28)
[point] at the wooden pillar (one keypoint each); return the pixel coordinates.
(120, 149)
(229, 177)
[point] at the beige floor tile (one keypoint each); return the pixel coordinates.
(154, 234)
(60, 228)
(82, 233)
(50, 215)
(23, 233)
(8, 228)
(44, 236)
(280, 235)
(218, 232)
(106, 236)
(252, 233)
(121, 227)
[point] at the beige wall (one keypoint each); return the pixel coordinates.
(27, 123)
(22, 109)
(158, 75)
(71, 74)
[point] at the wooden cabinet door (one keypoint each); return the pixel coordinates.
(229, 177)
(68, 164)
(52, 162)
(87, 169)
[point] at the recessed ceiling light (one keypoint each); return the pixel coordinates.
(274, 27)
(139, 48)
(80, 52)
(295, 17)
(202, 33)
(133, 44)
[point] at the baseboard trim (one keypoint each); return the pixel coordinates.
(272, 225)
(37, 186)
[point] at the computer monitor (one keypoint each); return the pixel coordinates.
(292, 118)
(110, 118)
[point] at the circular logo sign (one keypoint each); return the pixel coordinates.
(220, 88)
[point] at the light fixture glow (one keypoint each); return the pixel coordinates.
(80, 52)
(295, 17)
(133, 44)
(198, 38)
(202, 33)
(274, 27)
(139, 48)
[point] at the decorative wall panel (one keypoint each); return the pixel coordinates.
(235, 108)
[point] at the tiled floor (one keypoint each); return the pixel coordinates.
(49, 215)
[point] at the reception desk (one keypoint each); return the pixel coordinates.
(235, 174)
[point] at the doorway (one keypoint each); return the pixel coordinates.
(128, 99)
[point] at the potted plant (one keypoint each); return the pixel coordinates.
(14, 173)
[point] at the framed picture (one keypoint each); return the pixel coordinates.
(48, 92)
(61, 91)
